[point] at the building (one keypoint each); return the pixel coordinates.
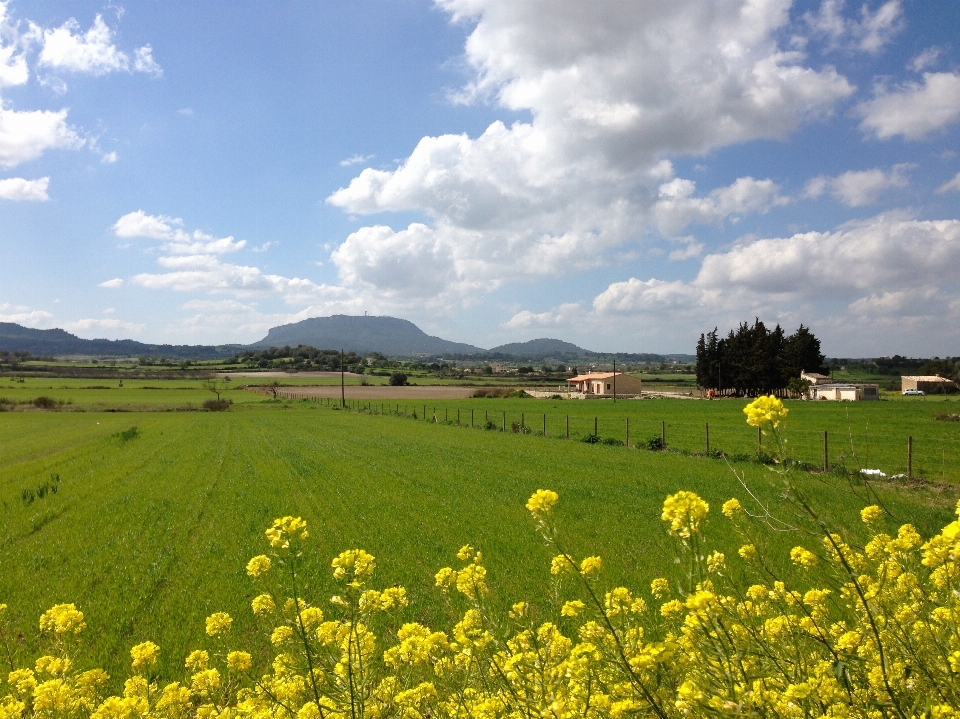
(844, 392)
(814, 379)
(931, 384)
(603, 384)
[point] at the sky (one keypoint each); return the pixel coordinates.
(624, 175)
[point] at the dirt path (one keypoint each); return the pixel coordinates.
(376, 392)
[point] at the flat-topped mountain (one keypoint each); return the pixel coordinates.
(389, 336)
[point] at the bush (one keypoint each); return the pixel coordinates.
(127, 434)
(612, 441)
(217, 405)
(490, 425)
(398, 379)
(44, 402)
(591, 438)
(519, 428)
(654, 443)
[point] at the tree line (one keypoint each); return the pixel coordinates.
(756, 360)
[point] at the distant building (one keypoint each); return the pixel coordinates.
(931, 384)
(814, 379)
(844, 392)
(603, 384)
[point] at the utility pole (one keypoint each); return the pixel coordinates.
(343, 394)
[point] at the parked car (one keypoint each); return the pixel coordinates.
(913, 393)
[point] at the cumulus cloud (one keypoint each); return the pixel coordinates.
(857, 188)
(925, 59)
(629, 84)
(677, 207)
(870, 32)
(24, 315)
(160, 227)
(112, 284)
(563, 315)
(914, 109)
(18, 189)
(92, 52)
(355, 160)
(950, 186)
(25, 135)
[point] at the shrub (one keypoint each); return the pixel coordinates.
(612, 441)
(490, 425)
(654, 443)
(44, 402)
(591, 438)
(519, 428)
(398, 379)
(127, 434)
(217, 405)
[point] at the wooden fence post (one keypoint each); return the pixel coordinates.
(568, 426)
(458, 416)
(544, 425)
(594, 426)
(663, 434)
(523, 419)
(826, 454)
(708, 438)
(471, 419)
(504, 427)
(627, 442)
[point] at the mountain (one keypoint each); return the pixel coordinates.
(389, 336)
(541, 348)
(14, 337)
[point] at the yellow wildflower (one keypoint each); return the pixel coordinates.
(144, 654)
(518, 610)
(206, 681)
(659, 587)
(871, 514)
(54, 666)
(281, 635)
(716, 562)
(258, 565)
(197, 660)
(541, 502)
(684, 511)
(803, 557)
(465, 553)
(239, 661)
(765, 411)
(748, 552)
(354, 564)
(218, 623)
(262, 604)
(590, 565)
(731, 508)
(284, 529)
(62, 619)
(572, 608)
(672, 607)
(560, 564)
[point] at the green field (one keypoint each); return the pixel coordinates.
(151, 534)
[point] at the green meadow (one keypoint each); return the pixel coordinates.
(149, 531)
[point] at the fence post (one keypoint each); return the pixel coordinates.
(627, 442)
(708, 438)
(424, 411)
(446, 414)
(663, 434)
(504, 427)
(826, 454)
(568, 426)
(458, 416)
(594, 426)
(544, 425)
(910, 457)
(523, 419)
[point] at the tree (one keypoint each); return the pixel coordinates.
(802, 354)
(217, 385)
(398, 379)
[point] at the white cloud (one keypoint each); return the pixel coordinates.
(112, 284)
(109, 158)
(629, 84)
(857, 188)
(690, 249)
(13, 62)
(143, 61)
(185, 111)
(93, 52)
(562, 315)
(115, 328)
(140, 224)
(870, 33)
(913, 109)
(24, 315)
(677, 207)
(925, 59)
(950, 186)
(27, 135)
(265, 246)
(355, 160)
(18, 189)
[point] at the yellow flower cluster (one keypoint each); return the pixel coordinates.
(765, 412)
(684, 511)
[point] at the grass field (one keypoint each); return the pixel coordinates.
(151, 534)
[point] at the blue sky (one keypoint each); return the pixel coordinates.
(624, 175)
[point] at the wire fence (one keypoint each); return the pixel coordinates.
(825, 450)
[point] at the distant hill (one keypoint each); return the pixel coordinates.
(541, 347)
(15, 337)
(389, 336)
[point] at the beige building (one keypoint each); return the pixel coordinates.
(604, 384)
(814, 379)
(844, 392)
(931, 384)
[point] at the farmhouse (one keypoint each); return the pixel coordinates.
(603, 384)
(844, 392)
(931, 384)
(814, 379)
